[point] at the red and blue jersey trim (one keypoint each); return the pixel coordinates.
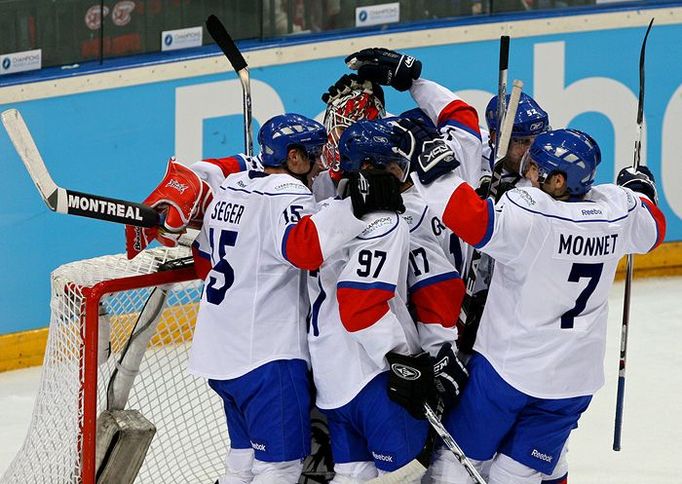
(228, 165)
(363, 304)
(471, 218)
(438, 300)
(460, 115)
(301, 245)
(659, 218)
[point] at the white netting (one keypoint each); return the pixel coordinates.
(191, 438)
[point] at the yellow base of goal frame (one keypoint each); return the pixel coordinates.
(27, 348)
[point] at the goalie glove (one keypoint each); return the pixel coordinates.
(640, 180)
(371, 191)
(181, 198)
(430, 155)
(386, 67)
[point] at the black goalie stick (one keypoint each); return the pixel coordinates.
(219, 33)
(620, 396)
(64, 200)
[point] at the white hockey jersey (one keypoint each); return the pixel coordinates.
(359, 309)
(544, 325)
(434, 285)
(256, 235)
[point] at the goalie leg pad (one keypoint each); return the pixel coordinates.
(123, 438)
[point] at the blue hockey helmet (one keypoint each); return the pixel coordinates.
(530, 120)
(573, 153)
(373, 142)
(285, 131)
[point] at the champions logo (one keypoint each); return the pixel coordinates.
(541, 456)
(103, 207)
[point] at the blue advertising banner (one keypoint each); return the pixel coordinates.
(115, 141)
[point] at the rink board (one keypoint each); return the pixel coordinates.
(111, 131)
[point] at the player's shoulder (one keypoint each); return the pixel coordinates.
(278, 185)
(616, 198)
(529, 199)
(415, 209)
(381, 224)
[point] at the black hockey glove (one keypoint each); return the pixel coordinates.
(351, 82)
(640, 180)
(370, 191)
(474, 310)
(450, 375)
(411, 382)
(386, 67)
(483, 189)
(429, 154)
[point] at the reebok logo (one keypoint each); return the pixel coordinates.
(539, 455)
(382, 457)
(258, 446)
(177, 185)
(592, 211)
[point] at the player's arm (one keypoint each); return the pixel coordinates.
(500, 230)
(214, 170)
(366, 287)
(435, 291)
(308, 234)
(647, 223)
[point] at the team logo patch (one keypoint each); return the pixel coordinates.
(405, 372)
(181, 187)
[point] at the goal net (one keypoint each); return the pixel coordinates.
(99, 308)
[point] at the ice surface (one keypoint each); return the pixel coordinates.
(653, 404)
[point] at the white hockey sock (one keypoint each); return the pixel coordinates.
(354, 472)
(506, 470)
(238, 465)
(446, 469)
(276, 472)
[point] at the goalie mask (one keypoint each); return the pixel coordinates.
(361, 100)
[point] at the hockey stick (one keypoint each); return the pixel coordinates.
(217, 30)
(466, 340)
(620, 396)
(67, 201)
(451, 444)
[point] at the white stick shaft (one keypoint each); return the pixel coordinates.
(508, 123)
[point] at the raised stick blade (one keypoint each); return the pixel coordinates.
(219, 33)
(642, 53)
(29, 154)
(504, 52)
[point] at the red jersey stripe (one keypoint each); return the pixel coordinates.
(361, 308)
(659, 218)
(461, 113)
(468, 216)
(301, 245)
(439, 303)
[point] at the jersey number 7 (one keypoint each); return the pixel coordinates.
(221, 276)
(578, 271)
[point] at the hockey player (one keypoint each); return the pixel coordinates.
(539, 352)
(359, 315)
(250, 335)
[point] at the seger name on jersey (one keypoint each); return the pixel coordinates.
(578, 245)
(228, 212)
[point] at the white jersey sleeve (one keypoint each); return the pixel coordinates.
(434, 284)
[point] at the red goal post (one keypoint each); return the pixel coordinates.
(96, 307)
